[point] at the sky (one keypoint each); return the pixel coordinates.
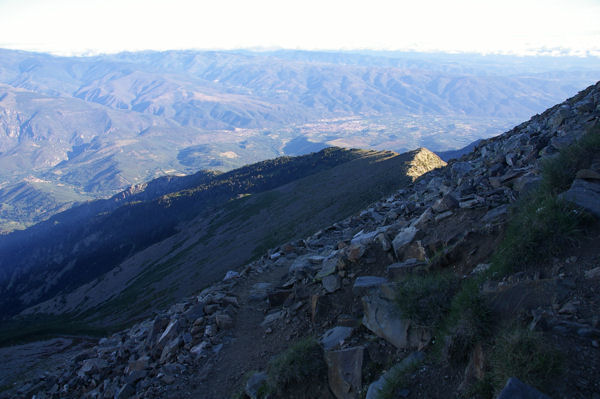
(77, 27)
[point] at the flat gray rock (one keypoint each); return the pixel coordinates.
(364, 284)
(329, 267)
(585, 194)
(334, 336)
(376, 387)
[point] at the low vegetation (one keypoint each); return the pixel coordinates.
(517, 351)
(426, 299)
(295, 373)
(526, 354)
(542, 224)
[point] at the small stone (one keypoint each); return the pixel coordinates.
(210, 330)
(230, 275)
(482, 267)
(200, 349)
(569, 307)
(272, 317)
(331, 283)
(445, 204)
(468, 204)
(386, 245)
(355, 251)
(329, 267)
(593, 273)
(444, 215)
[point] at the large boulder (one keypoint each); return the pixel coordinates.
(344, 371)
(403, 238)
(384, 320)
(586, 194)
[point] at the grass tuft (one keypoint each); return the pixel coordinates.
(542, 225)
(293, 373)
(426, 299)
(468, 322)
(526, 355)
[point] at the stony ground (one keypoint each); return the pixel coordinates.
(340, 285)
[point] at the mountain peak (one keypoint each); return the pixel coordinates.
(423, 161)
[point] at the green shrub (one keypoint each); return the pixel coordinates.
(426, 299)
(541, 227)
(297, 371)
(468, 322)
(526, 355)
(558, 172)
(541, 224)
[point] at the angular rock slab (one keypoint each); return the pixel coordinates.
(376, 387)
(344, 371)
(364, 284)
(329, 267)
(332, 337)
(585, 194)
(515, 389)
(403, 238)
(385, 321)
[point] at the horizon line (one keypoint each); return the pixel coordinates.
(555, 52)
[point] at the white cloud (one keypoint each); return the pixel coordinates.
(460, 25)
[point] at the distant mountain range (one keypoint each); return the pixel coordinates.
(79, 128)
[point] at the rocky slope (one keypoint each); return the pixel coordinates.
(344, 283)
(146, 250)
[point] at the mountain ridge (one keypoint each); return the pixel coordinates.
(96, 238)
(98, 125)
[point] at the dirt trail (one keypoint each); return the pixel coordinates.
(246, 348)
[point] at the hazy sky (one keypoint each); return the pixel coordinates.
(507, 26)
